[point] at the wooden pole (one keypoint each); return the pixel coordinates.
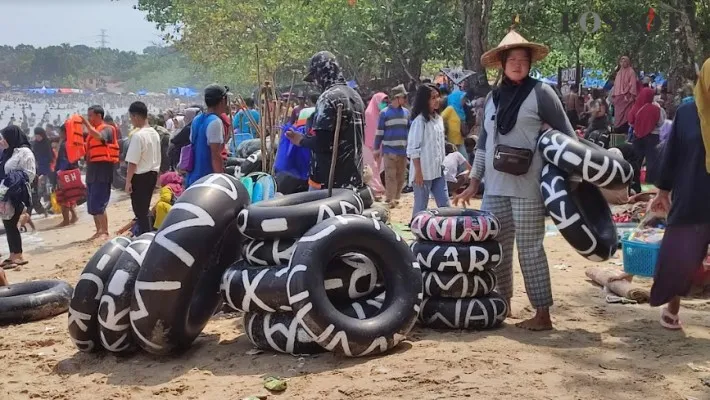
(336, 142)
(243, 105)
(273, 121)
(265, 120)
(288, 99)
(262, 135)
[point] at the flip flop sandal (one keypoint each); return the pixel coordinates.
(675, 325)
(15, 264)
(5, 262)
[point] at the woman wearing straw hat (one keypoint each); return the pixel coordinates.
(514, 114)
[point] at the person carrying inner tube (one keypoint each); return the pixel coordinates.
(325, 71)
(514, 114)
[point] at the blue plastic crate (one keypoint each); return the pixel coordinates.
(640, 258)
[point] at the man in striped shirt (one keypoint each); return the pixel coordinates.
(391, 144)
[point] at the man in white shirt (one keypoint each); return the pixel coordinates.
(143, 158)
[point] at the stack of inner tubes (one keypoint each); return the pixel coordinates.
(158, 291)
(457, 252)
(570, 181)
(257, 284)
(83, 323)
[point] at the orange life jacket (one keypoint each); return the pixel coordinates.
(75, 138)
(100, 152)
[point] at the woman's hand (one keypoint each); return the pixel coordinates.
(661, 203)
(418, 177)
(468, 193)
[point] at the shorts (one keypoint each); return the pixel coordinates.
(97, 197)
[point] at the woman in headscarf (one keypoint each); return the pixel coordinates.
(182, 138)
(684, 194)
(454, 117)
(646, 119)
(623, 94)
(17, 170)
(378, 103)
(513, 116)
(43, 152)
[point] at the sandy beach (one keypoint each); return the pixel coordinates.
(597, 351)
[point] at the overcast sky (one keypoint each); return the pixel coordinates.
(52, 22)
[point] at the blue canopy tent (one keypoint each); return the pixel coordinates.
(183, 91)
(142, 92)
(42, 90)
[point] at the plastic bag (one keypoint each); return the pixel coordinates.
(56, 208)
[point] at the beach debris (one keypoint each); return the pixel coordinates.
(228, 341)
(274, 384)
(698, 368)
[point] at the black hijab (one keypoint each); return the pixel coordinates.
(508, 98)
(15, 138)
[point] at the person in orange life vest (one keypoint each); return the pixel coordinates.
(101, 154)
(67, 201)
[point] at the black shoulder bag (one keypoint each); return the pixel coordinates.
(511, 160)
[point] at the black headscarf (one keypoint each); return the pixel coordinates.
(508, 98)
(43, 152)
(15, 138)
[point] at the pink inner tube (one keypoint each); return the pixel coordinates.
(455, 225)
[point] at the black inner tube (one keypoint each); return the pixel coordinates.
(205, 297)
(593, 209)
(393, 282)
(25, 288)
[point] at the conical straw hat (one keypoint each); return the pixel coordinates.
(513, 40)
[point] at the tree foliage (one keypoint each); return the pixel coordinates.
(392, 40)
(65, 66)
(373, 38)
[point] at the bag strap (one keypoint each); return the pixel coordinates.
(495, 128)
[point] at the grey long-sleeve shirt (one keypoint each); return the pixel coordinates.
(541, 106)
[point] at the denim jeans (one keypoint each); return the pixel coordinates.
(437, 187)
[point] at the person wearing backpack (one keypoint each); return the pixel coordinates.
(207, 136)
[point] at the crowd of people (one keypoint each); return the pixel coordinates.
(443, 145)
